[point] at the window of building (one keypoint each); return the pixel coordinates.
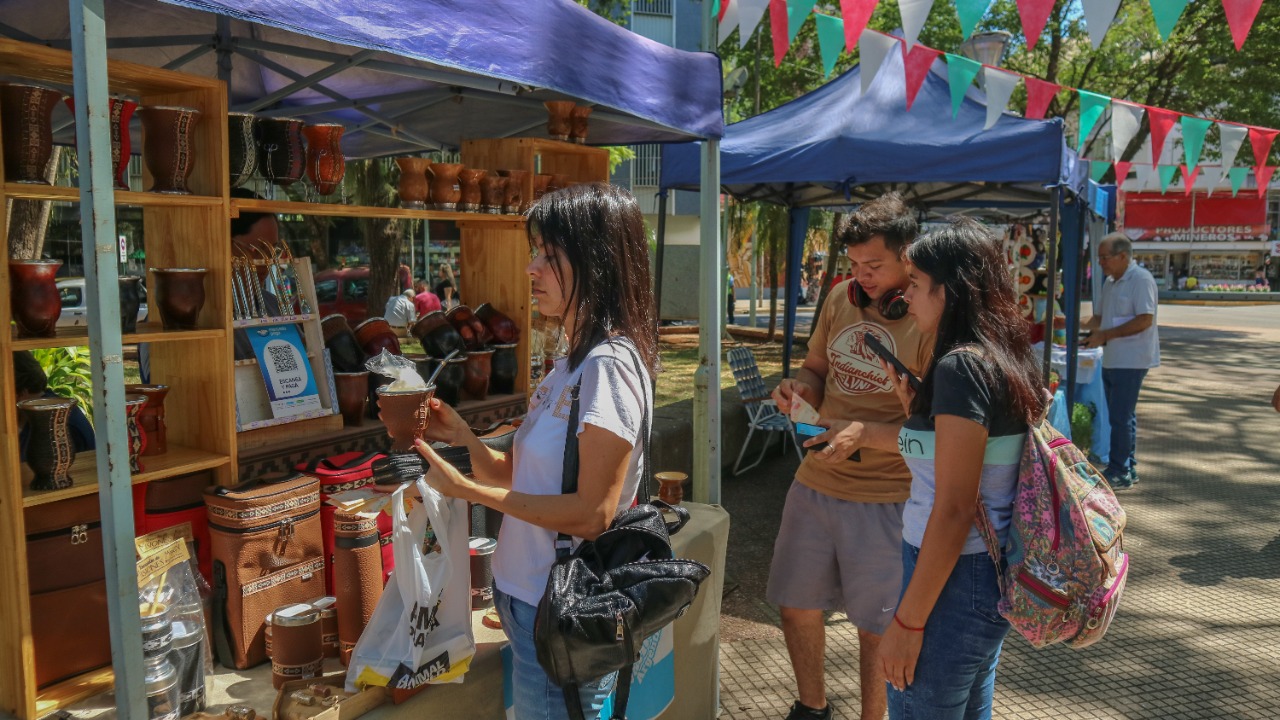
(646, 166)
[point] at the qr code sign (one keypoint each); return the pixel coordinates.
(283, 359)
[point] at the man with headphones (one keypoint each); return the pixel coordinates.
(840, 543)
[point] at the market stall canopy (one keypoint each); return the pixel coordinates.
(411, 75)
(836, 146)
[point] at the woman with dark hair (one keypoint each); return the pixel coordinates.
(964, 436)
(590, 269)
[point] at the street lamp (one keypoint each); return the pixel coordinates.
(987, 48)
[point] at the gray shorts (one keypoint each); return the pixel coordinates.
(835, 554)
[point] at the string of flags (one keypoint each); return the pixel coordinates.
(836, 34)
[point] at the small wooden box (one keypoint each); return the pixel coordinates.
(348, 708)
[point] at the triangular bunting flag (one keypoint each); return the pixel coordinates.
(1122, 171)
(1193, 130)
(728, 20)
(1098, 16)
(778, 29)
(917, 63)
(1144, 175)
(1263, 174)
(1240, 16)
(960, 74)
(1091, 107)
(1167, 174)
(749, 14)
(1125, 120)
(797, 12)
(1166, 13)
(1261, 139)
(830, 40)
(1161, 123)
(914, 13)
(1189, 178)
(1231, 137)
(1039, 94)
(873, 48)
(1000, 87)
(971, 12)
(1098, 169)
(1034, 14)
(1237, 175)
(1215, 174)
(856, 15)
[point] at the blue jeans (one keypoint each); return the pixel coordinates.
(536, 697)
(956, 672)
(1121, 386)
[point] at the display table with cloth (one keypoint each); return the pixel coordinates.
(1088, 391)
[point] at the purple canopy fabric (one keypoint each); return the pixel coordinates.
(439, 71)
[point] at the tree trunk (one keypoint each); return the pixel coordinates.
(29, 219)
(318, 228)
(382, 240)
(834, 249)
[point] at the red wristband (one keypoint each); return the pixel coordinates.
(904, 626)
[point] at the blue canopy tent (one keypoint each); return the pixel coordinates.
(840, 146)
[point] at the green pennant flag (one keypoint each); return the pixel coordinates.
(1238, 175)
(971, 12)
(1167, 173)
(715, 8)
(1091, 107)
(960, 74)
(1097, 169)
(830, 40)
(1166, 13)
(797, 11)
(1193, 130)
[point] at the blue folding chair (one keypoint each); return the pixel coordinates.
(762, 411)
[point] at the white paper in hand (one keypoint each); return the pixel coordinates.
(802, 411)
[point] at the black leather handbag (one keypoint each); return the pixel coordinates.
(605, 597)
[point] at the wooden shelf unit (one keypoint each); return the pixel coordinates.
(181, 231)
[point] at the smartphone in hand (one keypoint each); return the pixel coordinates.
(805, 431)
(879, 349)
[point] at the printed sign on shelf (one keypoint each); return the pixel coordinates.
(283, 362)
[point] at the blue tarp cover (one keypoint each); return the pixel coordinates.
(823, 147)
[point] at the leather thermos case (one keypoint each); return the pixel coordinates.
(67, 580)
(267, 552)
(357, 568)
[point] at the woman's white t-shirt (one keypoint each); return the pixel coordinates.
(614, 392)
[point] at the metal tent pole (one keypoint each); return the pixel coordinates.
(799, 225)
(98, 220)
(660, 253)
(1050, 278)
(706, 380)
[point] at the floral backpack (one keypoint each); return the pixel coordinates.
(1066, 561)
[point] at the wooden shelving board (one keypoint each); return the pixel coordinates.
(179, 460)
(60, 695)
(147, 332)
(58, 193)
(284, 207)
(44, 64)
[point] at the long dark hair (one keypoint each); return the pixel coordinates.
(967, 260)
(599, 230)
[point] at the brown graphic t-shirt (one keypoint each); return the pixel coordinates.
(858, 389)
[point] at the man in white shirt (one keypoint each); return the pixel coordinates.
(400, 313)
(1124, 326)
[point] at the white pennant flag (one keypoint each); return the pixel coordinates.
(873, 48)
(749, 14)
(1215, 175)
(1231, 137)
(729, 21)
(1098, 16)
(1146, 179)
(1000, 87)
(1125, 120)
(914, 13)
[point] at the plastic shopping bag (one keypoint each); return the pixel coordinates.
(420, 631)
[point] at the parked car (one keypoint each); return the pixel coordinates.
(74, 308)
(346, 291)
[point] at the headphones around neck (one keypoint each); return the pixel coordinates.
(892, 305)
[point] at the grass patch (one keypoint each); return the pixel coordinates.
(680, 362)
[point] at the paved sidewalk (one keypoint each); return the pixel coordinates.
(1198, 633)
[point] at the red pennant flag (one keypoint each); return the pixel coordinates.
(1034, 15)
(1122, 171)
(1240, 16)
(1263, 174)
(1261, 139)
(1039, 94)
(1190, 178)
(917, 63)
(856, 14)
(778, 23)
(724, 6)
(1161, 123)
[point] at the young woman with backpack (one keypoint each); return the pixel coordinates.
(964, 435)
